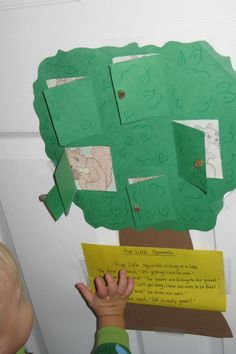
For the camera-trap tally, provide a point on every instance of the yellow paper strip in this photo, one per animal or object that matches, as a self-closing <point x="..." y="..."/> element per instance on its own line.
<point x="164" y="276"/>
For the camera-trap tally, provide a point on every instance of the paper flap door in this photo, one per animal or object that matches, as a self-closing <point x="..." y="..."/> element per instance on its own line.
<point x="73" y="110"/>
<point x="139" y="88"/>
<point x="190" y="153"/>
<point x="151" y="201"/>
<point x="65" y="182"/>
<point x="53" y="203"/>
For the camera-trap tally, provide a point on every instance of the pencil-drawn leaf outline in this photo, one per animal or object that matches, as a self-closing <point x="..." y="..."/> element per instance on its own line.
<point x="181" y="59"/>
<point x="195" y="57"/>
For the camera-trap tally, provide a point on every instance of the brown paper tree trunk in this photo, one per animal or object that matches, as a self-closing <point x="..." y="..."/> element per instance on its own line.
<point x="167" y="319"/>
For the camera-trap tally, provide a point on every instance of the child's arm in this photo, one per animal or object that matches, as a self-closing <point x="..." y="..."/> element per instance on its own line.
<point x="108" y="304"/>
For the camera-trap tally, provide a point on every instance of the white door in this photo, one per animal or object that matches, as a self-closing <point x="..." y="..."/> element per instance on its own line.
<point x="49" y="253"/>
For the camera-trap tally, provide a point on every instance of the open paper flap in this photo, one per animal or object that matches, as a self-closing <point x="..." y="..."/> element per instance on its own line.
<point x="139" y="88"/>
<point x="53" y="203"/>
<point x="190" y="152"/>
<point x="151" y="201"/>
<point x="210" y="128"/>
<point x="73" y="110"/>
<point x="65" y="182"/>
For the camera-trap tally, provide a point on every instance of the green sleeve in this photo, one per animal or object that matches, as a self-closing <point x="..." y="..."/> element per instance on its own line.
<point x="21" y="351"/>
<point x="112" y="340"/>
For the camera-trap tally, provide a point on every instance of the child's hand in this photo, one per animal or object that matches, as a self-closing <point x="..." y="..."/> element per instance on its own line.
<point x="109" y="301"/>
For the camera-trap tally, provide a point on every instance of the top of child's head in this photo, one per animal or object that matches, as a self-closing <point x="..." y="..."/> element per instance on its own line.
<point x="16" y="314"/>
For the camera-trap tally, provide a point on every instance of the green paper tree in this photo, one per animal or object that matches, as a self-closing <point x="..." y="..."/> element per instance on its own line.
<point x="167" y="116"/>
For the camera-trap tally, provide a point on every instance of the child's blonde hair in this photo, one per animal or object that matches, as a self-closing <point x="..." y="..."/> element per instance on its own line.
<point x="8" y="268"/>
<point x="9" y="279"/>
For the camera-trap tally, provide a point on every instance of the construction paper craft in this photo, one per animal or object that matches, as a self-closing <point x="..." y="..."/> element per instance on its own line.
<point x="73" y="110"/>
<point x="139" y="88"/>
<point x="196" y="84"/>
<point x="65" y="183"/>
<point x="143" y="194"/>
<point x="92" y="168"/>
<point x="190" y="152"/>
<point x="167" y="319"/>
<point x="53" y="203"/>
<point x="163" y="276"/>
<point x="210" y="128"/>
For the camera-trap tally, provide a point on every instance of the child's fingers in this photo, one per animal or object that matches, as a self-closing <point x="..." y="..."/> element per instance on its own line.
<point x="130" y="287"/>
<point x="85" y="292"/>
<point x="101" y="288"/>
<point x="111" y="285"/>
<point x="122" y="284"/>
